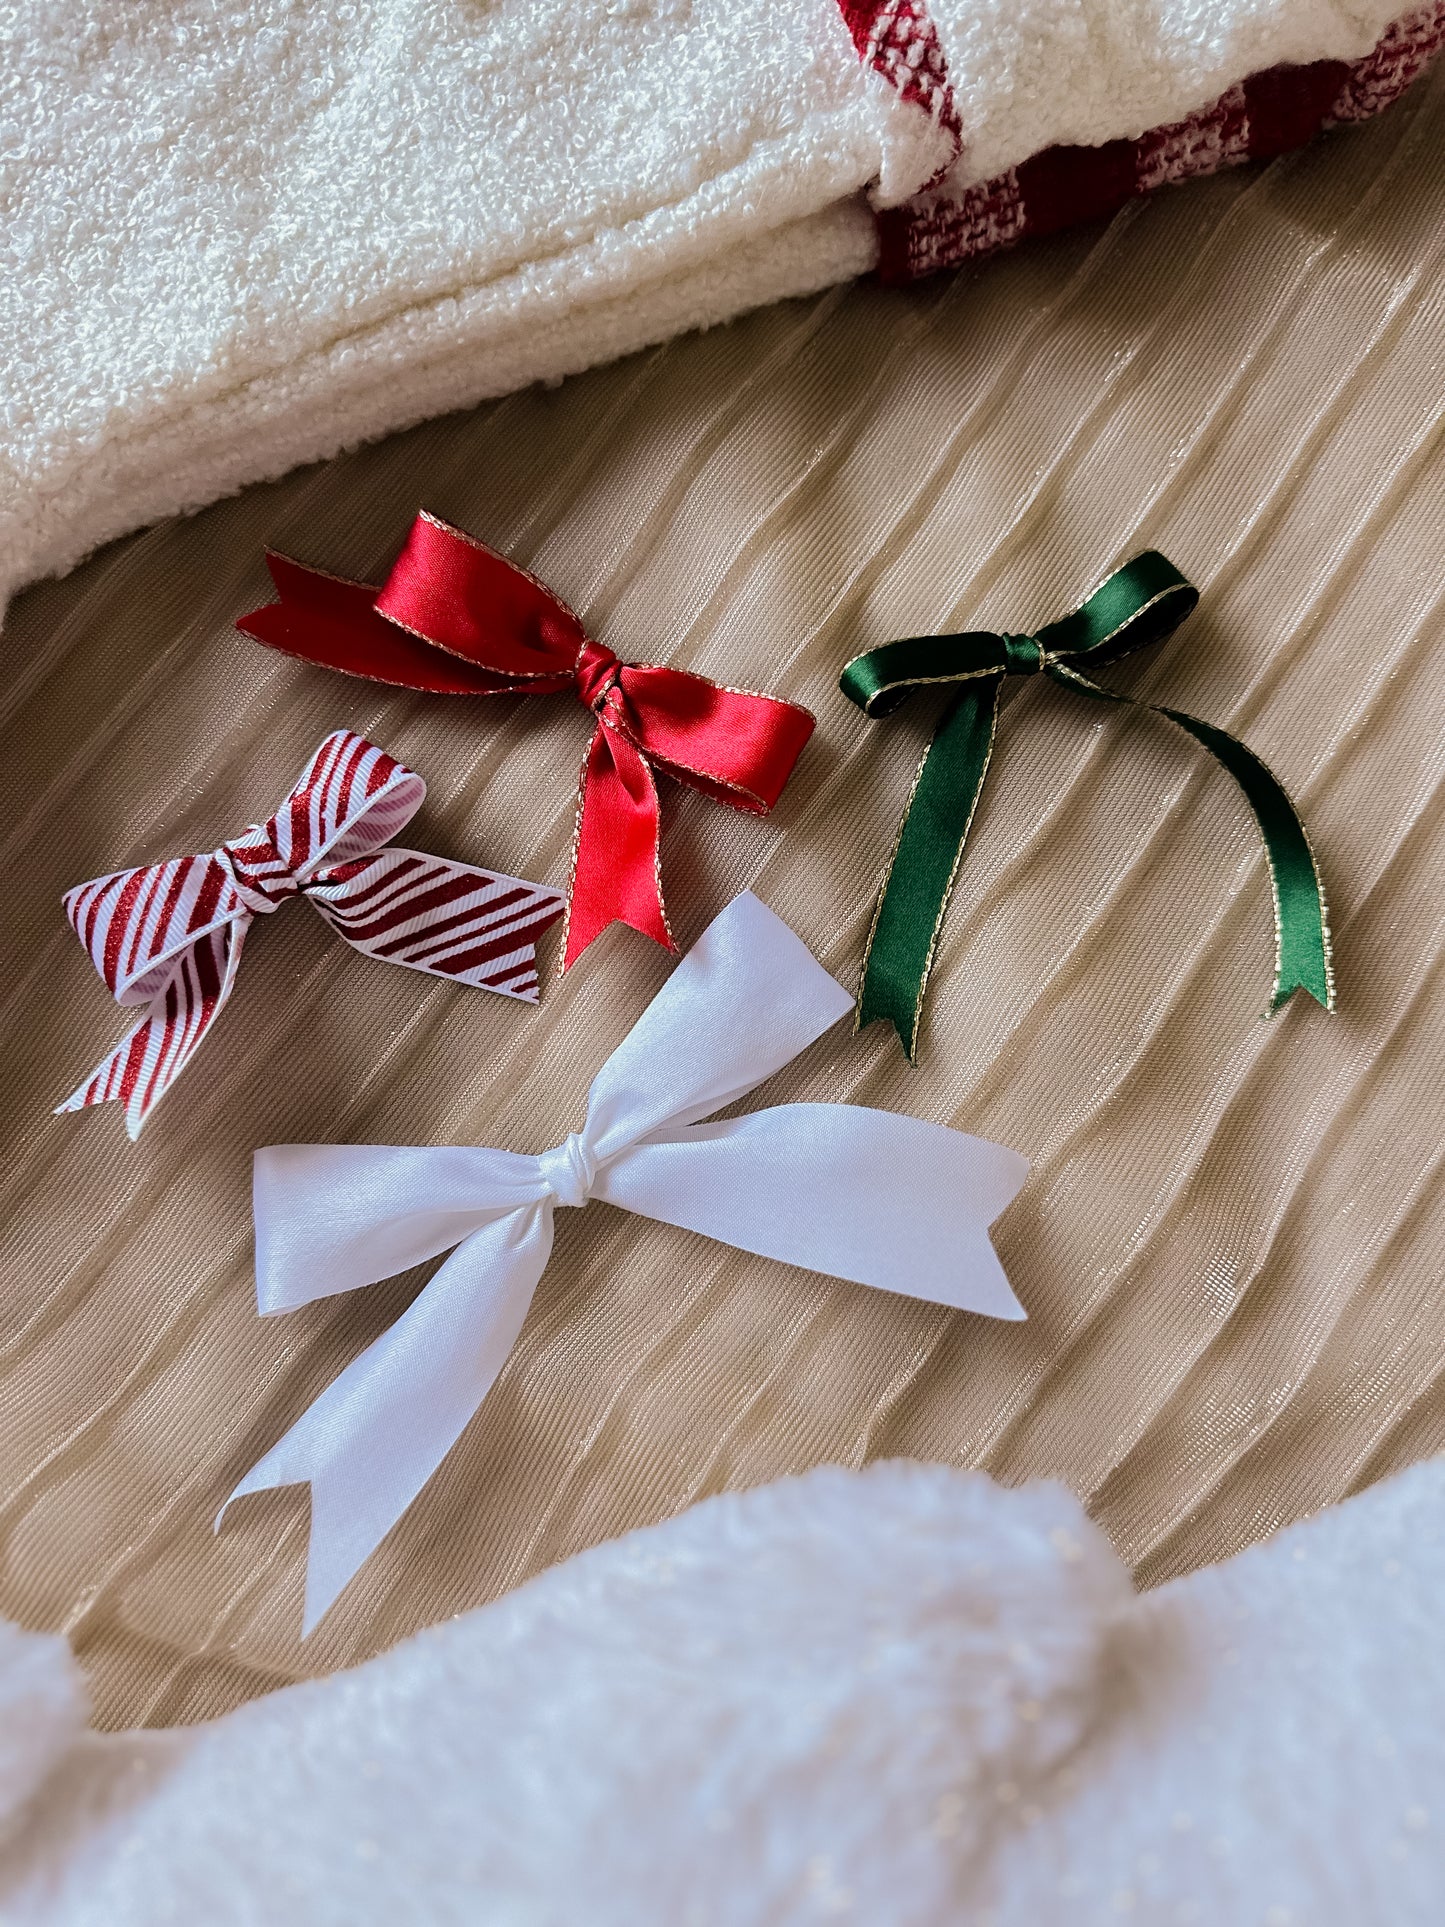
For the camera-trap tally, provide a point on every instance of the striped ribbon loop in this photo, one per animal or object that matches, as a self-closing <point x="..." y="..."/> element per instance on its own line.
<point x="169" y="935"/>
<point x="1138" y="605"/>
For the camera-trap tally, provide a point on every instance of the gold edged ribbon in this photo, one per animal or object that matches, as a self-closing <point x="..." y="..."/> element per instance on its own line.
<point x="1137" y="606"/>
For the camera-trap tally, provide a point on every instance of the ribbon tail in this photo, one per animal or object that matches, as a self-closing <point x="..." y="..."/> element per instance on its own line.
<point x="447" y="919"/>
<point x="883" y="1199"/>
<point x="375" y="1436"/>
<point x="326" y="620"/>
<point x="615" y="874"/>
<point x="1301" y="921"/>
<point x="152" y="1055"/>
<point x="918" y="882"/>
<point x="116" y="1074"/>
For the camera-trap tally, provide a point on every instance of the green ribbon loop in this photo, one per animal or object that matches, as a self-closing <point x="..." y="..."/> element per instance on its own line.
<point x="1137" y="606"/>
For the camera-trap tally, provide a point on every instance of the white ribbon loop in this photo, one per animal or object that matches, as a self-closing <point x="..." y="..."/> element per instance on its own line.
<point x="887" y="1201"/>
<point x="881" y="1199"/>
<point x="334" y="1217"/>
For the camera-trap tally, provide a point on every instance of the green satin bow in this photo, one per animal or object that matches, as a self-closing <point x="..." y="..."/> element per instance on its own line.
<point x="1140" y="604"/>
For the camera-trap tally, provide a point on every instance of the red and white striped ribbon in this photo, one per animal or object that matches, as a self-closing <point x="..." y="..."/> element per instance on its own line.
<point x="169" y="935"/>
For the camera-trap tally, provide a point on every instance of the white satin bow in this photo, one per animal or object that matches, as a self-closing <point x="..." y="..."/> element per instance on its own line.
<point x="872" y="1196"/>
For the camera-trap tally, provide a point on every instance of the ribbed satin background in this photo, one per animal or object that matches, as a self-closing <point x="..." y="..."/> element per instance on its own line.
<point x="1231" y="1244"/>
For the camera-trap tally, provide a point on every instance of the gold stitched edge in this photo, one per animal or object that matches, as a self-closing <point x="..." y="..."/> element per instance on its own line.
<point x="678" y="771"/>
<point x="1176" y="588"/>
<point x="579" y="795"/>
<point x="346" y="581"/>
<point x="603" y="723"/>
<point x="928" y="682"/>
<point x="505" y="677"/>
<point x="1276" y="1002"/>
<point x="910" y="1047"/>
<point x="953" y="873"/>
<point x="1325" y="932"/>
<point x="485" y="548"/>
<point x="1183" y="587"/>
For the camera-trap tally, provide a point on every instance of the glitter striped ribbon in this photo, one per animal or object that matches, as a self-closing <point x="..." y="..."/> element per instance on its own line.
<point x="169" y="935"/>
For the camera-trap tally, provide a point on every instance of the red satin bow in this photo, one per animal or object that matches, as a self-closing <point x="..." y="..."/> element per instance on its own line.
<point x="455" y="618"/>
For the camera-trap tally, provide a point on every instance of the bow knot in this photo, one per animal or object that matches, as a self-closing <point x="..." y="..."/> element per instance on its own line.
<point x="1138" y="605"/>
<point x="569" y="1171"/>
<point x="257" y="871"/>
<point x="1023" y="655"/>
<point x="599" y="673"/>
<point x="169" y="935"/>
<point x="455" y="618"/>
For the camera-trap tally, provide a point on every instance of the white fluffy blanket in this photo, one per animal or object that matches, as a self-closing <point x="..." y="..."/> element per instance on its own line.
<point x="897" y="1696"/>
<point x="236" y="235"/>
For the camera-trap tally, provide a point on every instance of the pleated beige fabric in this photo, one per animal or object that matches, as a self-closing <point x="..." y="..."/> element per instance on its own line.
<point x="1233" y="1241"/>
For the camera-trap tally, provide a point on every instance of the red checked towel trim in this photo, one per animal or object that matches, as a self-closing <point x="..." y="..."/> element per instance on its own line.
<point x="899" y="41"/>
<point x="1266" y="115"/>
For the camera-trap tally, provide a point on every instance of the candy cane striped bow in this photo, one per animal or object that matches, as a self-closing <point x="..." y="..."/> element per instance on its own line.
<point x="169" y="935"/>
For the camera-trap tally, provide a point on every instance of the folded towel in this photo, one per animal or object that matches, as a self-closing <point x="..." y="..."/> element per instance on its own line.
<point x="240" y="234"/>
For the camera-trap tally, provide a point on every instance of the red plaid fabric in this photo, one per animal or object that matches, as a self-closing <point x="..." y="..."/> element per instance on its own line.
<point x="1266" y="115"/>
<point x="898" y="40"/>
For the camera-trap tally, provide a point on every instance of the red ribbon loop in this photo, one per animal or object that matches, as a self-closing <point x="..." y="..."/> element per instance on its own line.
<point x="455" y="618"/>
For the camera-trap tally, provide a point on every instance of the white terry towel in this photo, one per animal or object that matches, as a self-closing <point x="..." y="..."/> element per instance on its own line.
<point x="904" y="1696"/>
<point x="236" y="235"/>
